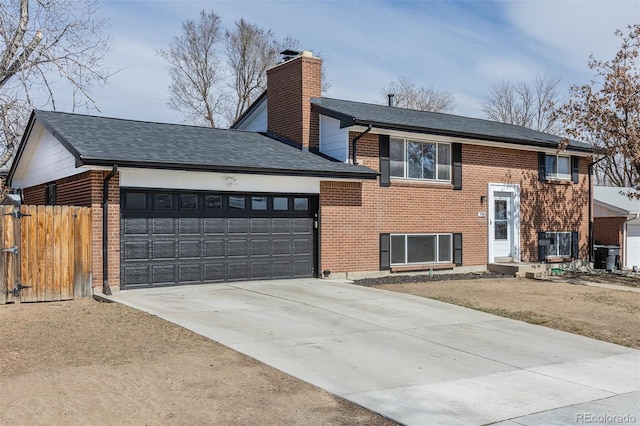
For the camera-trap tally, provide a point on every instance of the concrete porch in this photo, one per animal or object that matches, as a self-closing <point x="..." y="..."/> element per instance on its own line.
<point x="520" y="269"/>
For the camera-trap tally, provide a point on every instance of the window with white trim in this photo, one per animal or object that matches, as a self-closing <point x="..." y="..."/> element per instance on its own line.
<point x="557" y="167"/>
<point x="560" y="244"/>
<point x="409" y="249"/>
<point x="420" y="160"/>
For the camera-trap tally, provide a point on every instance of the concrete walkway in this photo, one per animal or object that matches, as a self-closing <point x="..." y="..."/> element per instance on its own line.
<point x="414" y="360"/>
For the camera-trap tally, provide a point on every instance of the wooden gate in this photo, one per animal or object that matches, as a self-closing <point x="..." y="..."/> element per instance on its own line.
<point x="46" y="253"/>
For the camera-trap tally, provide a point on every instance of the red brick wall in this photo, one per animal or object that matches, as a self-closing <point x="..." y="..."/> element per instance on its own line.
<point x="353" y="220"/>
<point x="608" y="230"/>
<point x="290" y="86"/>
<point x="85" y="190"/>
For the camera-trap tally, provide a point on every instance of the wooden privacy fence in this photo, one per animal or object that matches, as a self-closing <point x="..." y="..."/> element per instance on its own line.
<point x="46" y="253"/>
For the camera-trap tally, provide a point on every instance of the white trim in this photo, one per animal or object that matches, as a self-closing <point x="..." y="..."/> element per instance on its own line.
<point x="514" y="190"/>
<point x="210" y="181"/>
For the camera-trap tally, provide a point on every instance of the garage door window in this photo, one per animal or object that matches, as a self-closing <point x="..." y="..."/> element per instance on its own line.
<point x="280" y="203"/>
<point x="162" y="201"/>
<point x="258" y="203"/>
<point x="236" y="203"/>
<point x="188" y="201"/>
<point x="136" y="201"/>
<point x="301" y="204"/>
<point x="213" y="202"/>
<point x="165" y="204"/>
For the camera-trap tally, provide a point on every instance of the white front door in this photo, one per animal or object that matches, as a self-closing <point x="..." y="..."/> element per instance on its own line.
<point x="503" y="220"/>
<point x="502" y="225"/>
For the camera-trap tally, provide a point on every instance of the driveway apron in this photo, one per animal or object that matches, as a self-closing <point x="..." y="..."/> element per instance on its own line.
<point x="413" y="360"/>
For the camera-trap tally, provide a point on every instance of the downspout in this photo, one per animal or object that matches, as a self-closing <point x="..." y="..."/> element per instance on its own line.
<point x="105" y="229"/>
<point x="354" y="145"/>
<point x="591" y="206"/>
<point x="624" y="238"/>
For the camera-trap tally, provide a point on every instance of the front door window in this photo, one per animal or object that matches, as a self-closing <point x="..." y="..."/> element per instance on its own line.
<point x="501" y="220"/>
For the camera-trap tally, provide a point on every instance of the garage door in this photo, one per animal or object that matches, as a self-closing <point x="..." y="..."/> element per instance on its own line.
<point x="171" y="238"/>
<point x="633" y="246"/>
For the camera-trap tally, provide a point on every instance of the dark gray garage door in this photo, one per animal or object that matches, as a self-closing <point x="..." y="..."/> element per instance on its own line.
<point x="171" y="238"/>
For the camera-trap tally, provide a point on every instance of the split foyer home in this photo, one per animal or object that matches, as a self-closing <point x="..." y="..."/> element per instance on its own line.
<point x="308" y="186"/>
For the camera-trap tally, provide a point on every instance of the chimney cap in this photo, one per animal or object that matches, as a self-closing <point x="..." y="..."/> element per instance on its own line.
<point x="289" y="54"/>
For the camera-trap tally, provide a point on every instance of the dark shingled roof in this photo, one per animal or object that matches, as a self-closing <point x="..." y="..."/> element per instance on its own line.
<point x="381" y="116"/>
<point x="106" y="141"/>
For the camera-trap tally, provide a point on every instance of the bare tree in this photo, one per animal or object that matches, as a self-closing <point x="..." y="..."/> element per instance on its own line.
<point x="407" y="95"/>
<point x="44" y="44"/>
<point x="205" y="61"/>
<point x="528" y="104"/>
<point x="607" y="111"/>
<point x="250" y="51"/>
<point x="196" y="88"/>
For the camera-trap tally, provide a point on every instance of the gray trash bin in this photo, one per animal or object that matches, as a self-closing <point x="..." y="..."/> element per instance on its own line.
<point x="613" y="256"/>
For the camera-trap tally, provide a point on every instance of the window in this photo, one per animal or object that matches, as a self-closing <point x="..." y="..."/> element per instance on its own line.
<point x="162" y="201"/>
<point x="188" y="201"/>
<point x="51" y="194"/>
<point x="213" y="202"/>
<point x="420" y="160"/>
<point x="236" y="203"/>
<point x="557" y="167"/>
<point x="258" y="203"/>
<point x="280" y="203"/>
<point x="420" y="248"/>
<point x="560" y="244"/>
<point x="301" y="204"/>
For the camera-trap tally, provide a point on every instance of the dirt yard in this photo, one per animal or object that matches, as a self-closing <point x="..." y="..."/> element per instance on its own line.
<point x="562" y="303"/>
<point x="88" y="363"/>
<point x="84" y="362"/>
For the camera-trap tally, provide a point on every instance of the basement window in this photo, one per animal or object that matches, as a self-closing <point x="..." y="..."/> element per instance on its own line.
<point x="407" y="249"/>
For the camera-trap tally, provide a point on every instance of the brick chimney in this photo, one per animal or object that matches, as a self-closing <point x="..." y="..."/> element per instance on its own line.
<point x="290" y="86"/>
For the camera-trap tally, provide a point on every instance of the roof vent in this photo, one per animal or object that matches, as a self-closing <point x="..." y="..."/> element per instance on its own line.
<point x="390" y="96"/>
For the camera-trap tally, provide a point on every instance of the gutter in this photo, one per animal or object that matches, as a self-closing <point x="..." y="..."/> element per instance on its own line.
<point x="354" y="144"/>
<point x="105" y="231"/>
<point x="591" y="206"/>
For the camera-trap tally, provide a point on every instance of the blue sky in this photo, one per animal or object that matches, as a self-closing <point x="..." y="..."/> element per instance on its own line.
<point x="463" y="47"/>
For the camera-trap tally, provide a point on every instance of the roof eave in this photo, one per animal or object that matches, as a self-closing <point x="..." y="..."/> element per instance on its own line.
<point x="358" y="175"/>
<point x="440" y="132"/>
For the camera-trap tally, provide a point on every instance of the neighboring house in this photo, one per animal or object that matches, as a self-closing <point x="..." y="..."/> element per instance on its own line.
<point x="327" y="187"/>
<point x="616" y="221"/>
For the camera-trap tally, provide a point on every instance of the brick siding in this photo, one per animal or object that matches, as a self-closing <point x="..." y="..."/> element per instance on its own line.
<point x="290" y="86"/>
<point x="608" y="230"/>
<point x="353" y="217"/>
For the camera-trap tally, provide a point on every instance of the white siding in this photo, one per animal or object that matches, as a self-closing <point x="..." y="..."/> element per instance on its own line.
<point x="334" y="141"/>
<point x="257" y="121"/>
<point x="603" y="211"/>
<point x="171" y="179"/>
<point x="43" y="160"/>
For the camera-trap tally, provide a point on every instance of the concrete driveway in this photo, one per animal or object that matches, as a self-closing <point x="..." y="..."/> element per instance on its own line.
<point x="414" y="360"/>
